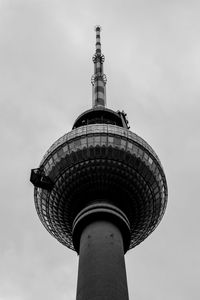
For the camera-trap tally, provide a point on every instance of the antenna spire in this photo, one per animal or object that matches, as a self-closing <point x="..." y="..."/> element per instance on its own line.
<point x="99" y="78"/>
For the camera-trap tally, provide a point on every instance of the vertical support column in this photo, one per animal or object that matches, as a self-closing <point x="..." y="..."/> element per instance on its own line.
<point x="102" y="273"/>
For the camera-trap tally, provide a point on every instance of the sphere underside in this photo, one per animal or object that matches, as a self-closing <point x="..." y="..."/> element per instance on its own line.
<point x="102" y="162"/>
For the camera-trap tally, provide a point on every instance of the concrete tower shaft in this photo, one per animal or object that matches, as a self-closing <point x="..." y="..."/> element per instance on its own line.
<point x="102" y="273"/>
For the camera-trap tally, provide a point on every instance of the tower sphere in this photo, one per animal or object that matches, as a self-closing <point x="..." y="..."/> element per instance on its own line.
<point x="101" y="161"/>
<point x="103" y="166"/>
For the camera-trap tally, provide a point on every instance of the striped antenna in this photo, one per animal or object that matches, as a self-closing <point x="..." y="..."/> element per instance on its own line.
<point x="99" y="78"/>
<point x="98" y="39"/>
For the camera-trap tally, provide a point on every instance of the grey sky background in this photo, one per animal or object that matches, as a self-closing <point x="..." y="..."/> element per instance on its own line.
<point x="152" y="51"/>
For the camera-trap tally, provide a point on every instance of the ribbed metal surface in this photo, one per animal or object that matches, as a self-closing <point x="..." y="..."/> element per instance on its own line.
<point x="102" y="161"/>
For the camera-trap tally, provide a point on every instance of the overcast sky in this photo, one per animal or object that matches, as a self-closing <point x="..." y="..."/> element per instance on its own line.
<point x="152" y="51"/>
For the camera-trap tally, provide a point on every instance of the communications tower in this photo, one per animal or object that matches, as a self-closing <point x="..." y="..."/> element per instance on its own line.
<point x="100" y="190"/>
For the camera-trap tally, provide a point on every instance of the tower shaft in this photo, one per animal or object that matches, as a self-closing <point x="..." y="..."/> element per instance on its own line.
<point x="102" y="273"/>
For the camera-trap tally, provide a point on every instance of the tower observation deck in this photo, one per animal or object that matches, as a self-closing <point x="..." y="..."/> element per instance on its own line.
<point x="100" y="190"/>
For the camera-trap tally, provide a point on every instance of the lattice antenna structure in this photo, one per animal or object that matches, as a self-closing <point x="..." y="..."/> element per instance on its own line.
<point x="98" y="80"/>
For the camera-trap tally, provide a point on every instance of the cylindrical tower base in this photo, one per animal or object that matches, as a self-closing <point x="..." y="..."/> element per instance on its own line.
<point x="102" y="273"/>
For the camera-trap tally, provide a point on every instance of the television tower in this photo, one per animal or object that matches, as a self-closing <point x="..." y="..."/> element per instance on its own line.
<point x="100" y="190"/>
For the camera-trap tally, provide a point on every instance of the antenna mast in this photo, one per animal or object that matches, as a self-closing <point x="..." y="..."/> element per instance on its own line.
<point x="99" y="78"/>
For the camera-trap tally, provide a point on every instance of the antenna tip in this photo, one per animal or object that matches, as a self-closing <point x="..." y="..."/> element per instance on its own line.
<point x="97" y="28"/>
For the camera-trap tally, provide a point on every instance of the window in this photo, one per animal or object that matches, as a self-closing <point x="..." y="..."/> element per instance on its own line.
<point x="77" y="143"/>
<point x="117" y="141"/>
<point x="97" y="140"/>
<point x="110" y="139"/>
<point x="90" y="140"/>
<point x="150" y="160"/>
<point x="130" y="145"/>
<point x="65" y="149"/>
<point x="104" y="140"/>
<point x="83" y="141"/>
